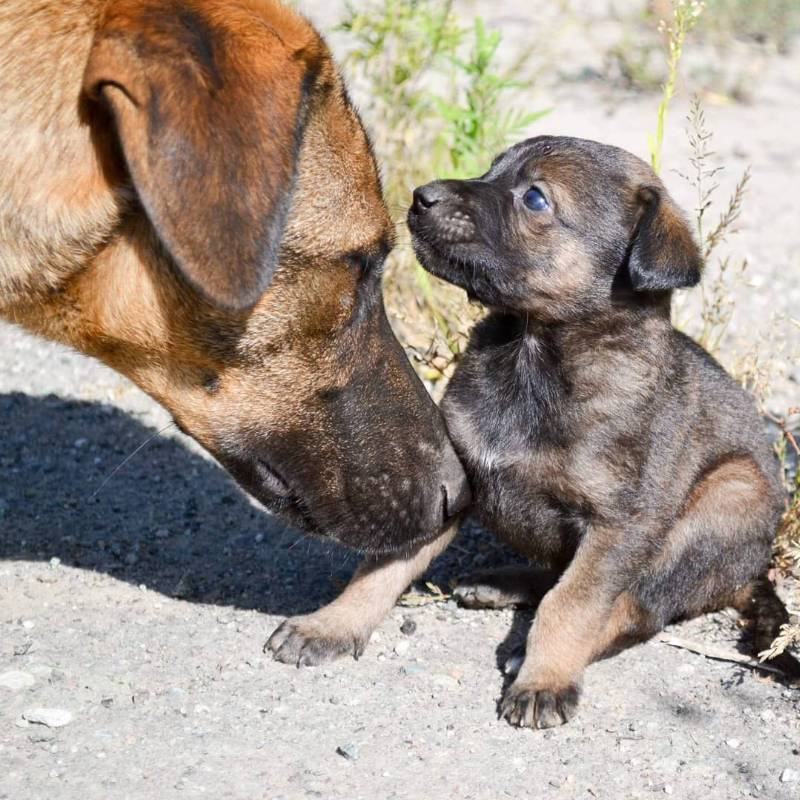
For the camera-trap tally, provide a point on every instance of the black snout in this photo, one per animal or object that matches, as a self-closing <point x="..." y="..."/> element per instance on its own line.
<point x="429" y="195"/>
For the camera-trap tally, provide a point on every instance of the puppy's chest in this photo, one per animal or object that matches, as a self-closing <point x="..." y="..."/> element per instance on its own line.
<point x="509" y="419"/>
<point x="545" y="452"/>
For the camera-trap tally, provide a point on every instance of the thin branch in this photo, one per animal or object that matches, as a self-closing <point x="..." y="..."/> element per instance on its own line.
<point x="717" y="653"/>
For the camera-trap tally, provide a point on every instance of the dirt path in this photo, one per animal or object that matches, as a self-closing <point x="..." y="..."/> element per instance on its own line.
<point x="142" y="611"/>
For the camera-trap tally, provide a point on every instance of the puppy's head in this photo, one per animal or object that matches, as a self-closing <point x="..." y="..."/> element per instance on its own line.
<point x="557" y="228"/>
<point x="242" y="288"/>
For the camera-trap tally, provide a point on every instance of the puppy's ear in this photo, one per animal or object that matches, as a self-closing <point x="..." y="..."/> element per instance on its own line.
<point x="663" y="252"/>
<point x="209" y="111"/>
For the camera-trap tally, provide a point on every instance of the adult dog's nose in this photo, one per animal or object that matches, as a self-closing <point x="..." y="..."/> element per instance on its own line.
<point x="427" y="196"/>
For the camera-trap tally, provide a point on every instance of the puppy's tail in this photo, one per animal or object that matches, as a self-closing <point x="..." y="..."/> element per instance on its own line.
<point x="765" y="613"/>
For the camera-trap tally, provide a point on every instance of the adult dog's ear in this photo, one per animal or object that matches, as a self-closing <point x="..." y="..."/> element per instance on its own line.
<point x="663" y="253"/>
<point x="209" y="101"/>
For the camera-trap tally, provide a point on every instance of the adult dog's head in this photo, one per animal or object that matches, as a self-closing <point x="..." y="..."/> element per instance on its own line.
<point x="558" y="228"/>
<point x="239" y="281"/>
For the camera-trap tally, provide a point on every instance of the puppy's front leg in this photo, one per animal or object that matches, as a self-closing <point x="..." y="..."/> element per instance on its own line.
<point x="563" y="639"/>
<point x="345" y="625"/>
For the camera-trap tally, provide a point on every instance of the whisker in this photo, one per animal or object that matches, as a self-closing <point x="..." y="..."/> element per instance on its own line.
<point x="296" y="542"/>
<point x="127" y="459"/>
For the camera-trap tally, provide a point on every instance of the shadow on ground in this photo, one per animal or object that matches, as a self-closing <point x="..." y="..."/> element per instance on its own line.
<point x="169" y="519"/>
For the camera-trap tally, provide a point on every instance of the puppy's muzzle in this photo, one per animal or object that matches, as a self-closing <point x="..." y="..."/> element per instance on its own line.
<point x="437" y="210"/>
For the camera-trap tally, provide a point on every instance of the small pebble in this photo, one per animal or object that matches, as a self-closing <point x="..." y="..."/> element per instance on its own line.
<point x="408" y="627"/>
<point x="733" y="743"/>
<point x="767" y="715"/>
<point x="348" y="751"/>
<point x="445" y="681"/>
<point x="401" y="648"/>
<point x="51" y="717"/>
<point x="42" y="671"/>
<point x="54" y="562"/>
<point x="790" y="776"/>
<point x="28" y="624"/>
<point x="41" y="735"/>
<point x="16" y="680"/>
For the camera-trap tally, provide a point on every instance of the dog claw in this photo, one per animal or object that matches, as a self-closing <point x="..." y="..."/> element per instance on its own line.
<point x="306" y="642"/>
<point x="539" y="708"/>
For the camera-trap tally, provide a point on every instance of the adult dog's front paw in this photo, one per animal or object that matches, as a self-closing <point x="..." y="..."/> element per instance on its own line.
<point x="539" y="707"/>
<point x="309" y="640"/>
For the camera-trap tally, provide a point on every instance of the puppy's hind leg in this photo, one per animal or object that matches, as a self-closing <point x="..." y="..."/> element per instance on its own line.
<point x="716" y="556"/>
<point x="344" y="626"/>
<point x="508" y="587"/>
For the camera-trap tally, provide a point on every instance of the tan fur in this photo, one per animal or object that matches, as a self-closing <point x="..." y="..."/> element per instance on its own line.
<point x="346" y="624"/>
<point x="79" y="265"/>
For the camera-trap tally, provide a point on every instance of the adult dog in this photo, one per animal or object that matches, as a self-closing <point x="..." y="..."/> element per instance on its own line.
<point x="599" y="440"/>
<point x="187" y="194"/>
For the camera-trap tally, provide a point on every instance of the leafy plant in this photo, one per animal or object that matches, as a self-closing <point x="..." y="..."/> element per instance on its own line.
<point x="477" y="123"/>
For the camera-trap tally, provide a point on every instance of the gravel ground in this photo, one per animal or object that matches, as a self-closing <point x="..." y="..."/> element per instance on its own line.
<point x="140" y="607"/>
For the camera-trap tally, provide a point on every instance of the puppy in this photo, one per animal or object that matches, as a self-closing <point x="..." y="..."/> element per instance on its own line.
<point x="599" y="440"/>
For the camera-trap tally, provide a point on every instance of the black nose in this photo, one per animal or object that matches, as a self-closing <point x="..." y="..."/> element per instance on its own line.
<point x="457" y="494"/>
<point x="427" y="196"/>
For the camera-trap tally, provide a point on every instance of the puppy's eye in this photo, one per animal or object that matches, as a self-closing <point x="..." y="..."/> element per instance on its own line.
<point x="535" y="200"/>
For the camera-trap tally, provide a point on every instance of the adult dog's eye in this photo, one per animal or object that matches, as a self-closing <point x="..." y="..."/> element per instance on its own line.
<point x="535" y="200"/>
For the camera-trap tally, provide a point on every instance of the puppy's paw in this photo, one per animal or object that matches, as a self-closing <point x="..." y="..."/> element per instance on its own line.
<point x="307" y="641"/>
<point x="539" y="707"/>
<point x="480" y="595"/>
<point x="509" y="587"/>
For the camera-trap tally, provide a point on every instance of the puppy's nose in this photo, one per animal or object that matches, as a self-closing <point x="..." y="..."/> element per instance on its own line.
<point x="427" y="196"/>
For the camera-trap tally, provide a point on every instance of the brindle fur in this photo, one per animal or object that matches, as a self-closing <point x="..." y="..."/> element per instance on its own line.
<point x="599" y="440"/>
<point x="187" y="194"/>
